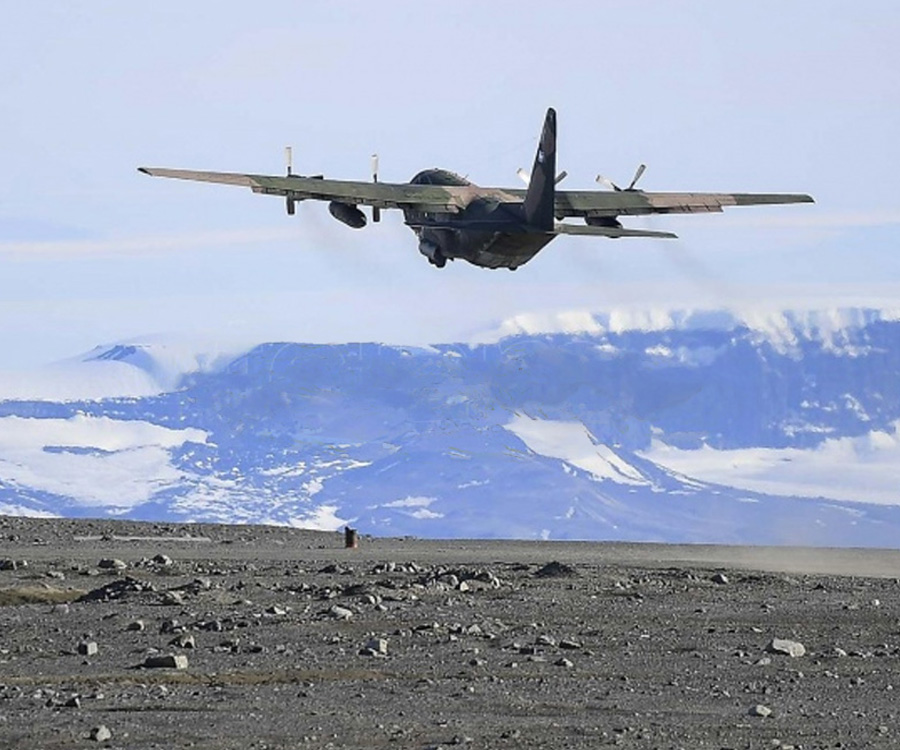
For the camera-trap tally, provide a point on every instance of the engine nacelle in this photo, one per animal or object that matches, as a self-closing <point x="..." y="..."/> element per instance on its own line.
<point x="349" y="215"/>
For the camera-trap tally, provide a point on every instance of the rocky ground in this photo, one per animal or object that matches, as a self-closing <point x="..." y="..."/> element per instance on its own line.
<point x="131" y="635"/>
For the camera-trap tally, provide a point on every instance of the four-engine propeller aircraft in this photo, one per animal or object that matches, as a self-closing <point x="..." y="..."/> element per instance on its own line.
<point x="488" y="227"/>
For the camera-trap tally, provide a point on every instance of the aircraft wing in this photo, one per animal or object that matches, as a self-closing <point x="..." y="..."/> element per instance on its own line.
<point x="636" y="202"/>
<point x="453" y="199"/>
<point x="433" y="198"/>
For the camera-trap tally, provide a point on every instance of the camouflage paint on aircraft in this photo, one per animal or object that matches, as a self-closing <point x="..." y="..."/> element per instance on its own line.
<point x="489" y="227"/>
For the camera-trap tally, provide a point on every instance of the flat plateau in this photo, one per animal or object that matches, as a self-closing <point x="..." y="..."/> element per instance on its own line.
<point x="291" y="640"/>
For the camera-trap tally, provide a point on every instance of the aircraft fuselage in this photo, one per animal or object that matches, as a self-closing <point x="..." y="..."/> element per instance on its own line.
<point x="488" y="232"/>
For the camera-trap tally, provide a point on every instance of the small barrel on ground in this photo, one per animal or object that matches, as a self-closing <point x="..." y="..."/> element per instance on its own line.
<point x="351" y="538"/>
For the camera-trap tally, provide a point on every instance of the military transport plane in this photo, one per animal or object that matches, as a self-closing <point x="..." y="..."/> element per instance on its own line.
<point x="489" y="227"/>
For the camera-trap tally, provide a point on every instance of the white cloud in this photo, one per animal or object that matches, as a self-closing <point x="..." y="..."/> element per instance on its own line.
<point x="150" y="244"/>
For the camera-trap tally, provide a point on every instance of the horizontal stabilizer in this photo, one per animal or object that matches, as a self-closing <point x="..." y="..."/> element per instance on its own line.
<point x="614" y="232"/>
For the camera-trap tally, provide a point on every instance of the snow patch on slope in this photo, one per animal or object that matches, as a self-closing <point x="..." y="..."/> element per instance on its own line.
<point x="413" y="507"/>
<point x="6" y="509"/>
<point x="95" y="461"/>
<point x="574" y="444"/>
<point x="863" y="469"/>
<point x="322" y="518"/>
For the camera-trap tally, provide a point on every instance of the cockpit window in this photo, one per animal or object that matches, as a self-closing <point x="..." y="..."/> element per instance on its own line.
<point x="439" y="177"/>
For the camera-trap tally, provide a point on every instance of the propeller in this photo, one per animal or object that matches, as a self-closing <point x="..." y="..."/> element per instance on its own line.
<point x="376" y="211"/>
<point x="631" y="185"/>
<point x="525" y="176"/>
<point x="290" y="203"/>
<point x="637" y="175"/>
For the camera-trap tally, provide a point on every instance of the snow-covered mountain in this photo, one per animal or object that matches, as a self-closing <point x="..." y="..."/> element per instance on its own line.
<point x="699" y="426"/>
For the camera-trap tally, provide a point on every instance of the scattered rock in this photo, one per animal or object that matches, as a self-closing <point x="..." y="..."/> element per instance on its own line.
<point x="162" y="560"/>
<point x="171" y="598"/>
<point x="112" y="563"/>
<point x="556" y="570"/>
<point x="336" y="570"/>
<point x="340" y="613"/>
<point x="783" y="646"/>
<point x="720" y="578"/>
<point x="760" y="710"/>
<point x="116" y="590"/>
<point x="232" y="644"/>
<point x="87" y="648"/>
<point x="185" y="640"/>
<point x="375" y="647"/>
<point x="166" y="661"/>
<point x="136" y="626"/>
<point x="195" y="587"/>
<point x="100" y="733"/>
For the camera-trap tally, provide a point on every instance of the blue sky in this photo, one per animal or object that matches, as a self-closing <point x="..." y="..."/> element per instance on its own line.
<point x="768" y="96"/>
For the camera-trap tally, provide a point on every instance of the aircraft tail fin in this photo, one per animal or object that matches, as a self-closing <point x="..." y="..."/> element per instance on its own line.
<point x="540" y="195"/>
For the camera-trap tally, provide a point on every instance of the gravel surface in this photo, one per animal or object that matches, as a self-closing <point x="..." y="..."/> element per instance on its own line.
<point x="122" y="634"/>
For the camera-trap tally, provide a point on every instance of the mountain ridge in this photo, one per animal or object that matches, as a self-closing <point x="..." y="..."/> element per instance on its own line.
<point x="700" y="434"/>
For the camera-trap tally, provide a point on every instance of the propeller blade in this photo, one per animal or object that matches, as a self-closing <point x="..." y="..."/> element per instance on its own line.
<point x="525" y="176"/>
<point x="608" y="182"/>
<point x="637" y="175"/>
<point x="376" y="211"/>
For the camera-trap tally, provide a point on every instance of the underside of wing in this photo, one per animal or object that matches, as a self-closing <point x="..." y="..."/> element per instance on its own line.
<point x="597" y="203"/>
<point x="613" y="232"/>
<point x="433" y="198"/>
